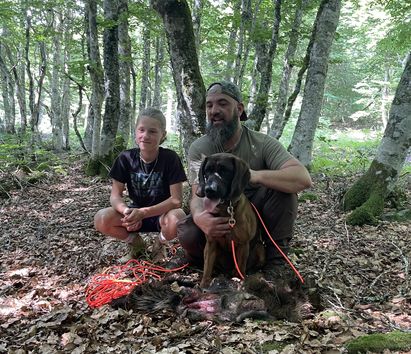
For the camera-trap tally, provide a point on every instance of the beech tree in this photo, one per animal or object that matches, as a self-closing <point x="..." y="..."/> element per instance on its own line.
<point x="95" y="68"/>
<point x="186" y="72"/>
<point x="278" y="123"/>
<point x="111" y="81"/>
<point x="125" y="63"/>
<point x="265" y="67"/>
<point x="366" y="197"/>
<point x="326" y="25"/>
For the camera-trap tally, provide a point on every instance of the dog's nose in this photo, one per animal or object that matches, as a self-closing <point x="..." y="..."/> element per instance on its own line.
<point x="211" y="190"/>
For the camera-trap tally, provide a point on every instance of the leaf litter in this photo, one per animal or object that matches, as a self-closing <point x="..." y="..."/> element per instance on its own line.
<point x="50" y="251"/>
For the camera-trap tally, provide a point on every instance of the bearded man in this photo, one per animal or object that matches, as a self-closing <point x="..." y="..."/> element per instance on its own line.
<point x="276" y="177"/>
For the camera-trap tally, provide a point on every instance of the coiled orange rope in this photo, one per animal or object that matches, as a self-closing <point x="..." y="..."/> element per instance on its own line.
<point x="118" y="281"/>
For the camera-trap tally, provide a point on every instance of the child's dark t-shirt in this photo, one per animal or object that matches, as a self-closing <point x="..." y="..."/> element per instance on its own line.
<point x="148" y="184"/>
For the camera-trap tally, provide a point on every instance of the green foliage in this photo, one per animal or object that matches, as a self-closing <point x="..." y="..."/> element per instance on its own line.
<point x="21" y="162"/>
<point x="173" y="142"/>
<point x="378" y="342"/>
<point x="16" y="151"/>
<point x="343" y="153"/>
<point x="308" y="196"/>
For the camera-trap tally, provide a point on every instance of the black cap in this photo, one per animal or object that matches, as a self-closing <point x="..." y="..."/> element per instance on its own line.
<point x="232" y="90"/>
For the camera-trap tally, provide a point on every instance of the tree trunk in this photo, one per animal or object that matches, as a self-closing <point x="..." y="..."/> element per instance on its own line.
<point x="247" y="48"/>
<point x="133" y="99"/>
<point x="229" y="72"/>
<point x="93" y="129"/>
<point x="145" y="71"/>
<point x="186" y="72"/>
<point x="254" y="85"/>
<point x="326" y="25"/>
<point x="158" y="67"/>
<point x="385" y="91"/>
<point x="7" y="87"/>
<point x="277" y="126"/>
<point x="197" y="14"/>
<point x="244" y="23"/>
<point x="125" y="60"/>
<point x="265" y="67"/>
<point x="28" y="68"/>
<point x="66" y="97"/>
<point x="35" y="119"/>
<point x="56" y="94"/>
<point x="20" y="71"/>
<point x="19" y="80"/>
<point x="367" y="195"/>
<point x="112" y="92"/>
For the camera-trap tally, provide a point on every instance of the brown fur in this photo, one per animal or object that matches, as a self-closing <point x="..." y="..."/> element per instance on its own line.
<point x="225" y="176"/>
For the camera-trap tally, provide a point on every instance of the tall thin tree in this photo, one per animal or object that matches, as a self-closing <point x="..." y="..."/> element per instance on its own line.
<point x="111" y="81"/>
<point x="326" y="25"/>
<point x="186" y="72"/>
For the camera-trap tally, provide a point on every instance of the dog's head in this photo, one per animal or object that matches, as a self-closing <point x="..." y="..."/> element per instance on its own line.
<point x="222" y="177"/>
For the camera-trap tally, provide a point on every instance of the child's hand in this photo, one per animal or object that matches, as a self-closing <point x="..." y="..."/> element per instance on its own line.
<point x="132" y="219"/>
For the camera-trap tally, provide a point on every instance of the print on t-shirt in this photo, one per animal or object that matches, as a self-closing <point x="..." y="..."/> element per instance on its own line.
<point x="147" y="185"/>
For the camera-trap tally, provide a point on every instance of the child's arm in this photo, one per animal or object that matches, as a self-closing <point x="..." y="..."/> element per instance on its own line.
<point x="116" y="197"/>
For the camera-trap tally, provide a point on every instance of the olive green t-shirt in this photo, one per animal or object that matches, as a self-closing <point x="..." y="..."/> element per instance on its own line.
<point x="260" y="151"/>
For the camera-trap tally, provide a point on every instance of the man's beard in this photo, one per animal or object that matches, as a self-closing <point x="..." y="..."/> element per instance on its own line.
<point x="222" y="133"/>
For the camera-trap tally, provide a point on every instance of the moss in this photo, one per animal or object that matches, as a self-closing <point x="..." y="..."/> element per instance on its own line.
<point x="119" y="145"/>
<point x="308" y="196"/>
<point x="368" y="194"/>
<point x="357" y="194"/>
<point x="273" y="345"/>
<point x="44" y="166"/>
<point x="378" y="342"/>
<point x="92" y="168"/>
<point x="367" y="213"/>
<point x="375" y="180"/>
<point x="36" y="176"/>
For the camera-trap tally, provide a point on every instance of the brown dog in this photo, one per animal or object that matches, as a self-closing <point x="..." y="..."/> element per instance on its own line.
<point x="222" y="179"/>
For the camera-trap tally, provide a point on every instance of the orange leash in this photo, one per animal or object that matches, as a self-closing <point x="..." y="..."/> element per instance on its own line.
<point x="235" y="260"/>
<point x="115" y="281"/>
<point x="278" y="247"/>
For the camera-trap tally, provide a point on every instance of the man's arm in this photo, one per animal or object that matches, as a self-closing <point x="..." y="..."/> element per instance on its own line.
<point x="292" y="177"/>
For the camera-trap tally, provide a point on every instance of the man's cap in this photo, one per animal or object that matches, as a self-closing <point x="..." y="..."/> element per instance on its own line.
<point x="232" y="90"/>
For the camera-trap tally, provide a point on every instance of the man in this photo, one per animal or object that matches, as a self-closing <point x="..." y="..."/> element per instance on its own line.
<point x="276" y="176"/>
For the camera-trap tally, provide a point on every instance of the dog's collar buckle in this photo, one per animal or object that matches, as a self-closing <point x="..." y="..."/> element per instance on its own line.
<point x="230" y="211"/>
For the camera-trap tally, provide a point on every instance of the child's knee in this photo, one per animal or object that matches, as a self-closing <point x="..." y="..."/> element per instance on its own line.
<point x="98" y="220"/>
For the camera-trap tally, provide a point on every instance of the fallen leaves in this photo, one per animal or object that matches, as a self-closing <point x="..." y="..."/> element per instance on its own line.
<point x="50" y="252"/>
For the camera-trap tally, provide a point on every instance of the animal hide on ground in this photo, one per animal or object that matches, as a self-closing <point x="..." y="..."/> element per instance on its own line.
<point x="225" y="300"/>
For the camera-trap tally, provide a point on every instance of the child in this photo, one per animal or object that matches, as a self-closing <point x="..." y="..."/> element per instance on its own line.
<point x="154" y="177"/>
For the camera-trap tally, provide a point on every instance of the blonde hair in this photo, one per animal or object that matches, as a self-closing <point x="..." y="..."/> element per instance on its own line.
<point x="156" y="114"/>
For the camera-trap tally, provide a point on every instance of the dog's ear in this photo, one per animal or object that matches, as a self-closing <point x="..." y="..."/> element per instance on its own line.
<point x="241" y="177"/>
<point x="201" y="180"/>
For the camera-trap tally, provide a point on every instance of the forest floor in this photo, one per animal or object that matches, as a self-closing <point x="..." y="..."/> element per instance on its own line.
<point x="50" y="251"/>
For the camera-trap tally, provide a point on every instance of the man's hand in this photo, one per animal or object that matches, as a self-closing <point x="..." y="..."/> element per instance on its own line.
<point x="212" y="226"/>
<point x="132" y="219"/>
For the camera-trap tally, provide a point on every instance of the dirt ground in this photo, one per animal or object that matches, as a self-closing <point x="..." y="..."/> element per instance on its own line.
<point x="49" y="252"/>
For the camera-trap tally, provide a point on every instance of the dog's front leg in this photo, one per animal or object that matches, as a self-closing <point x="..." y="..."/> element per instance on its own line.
<point x="210" y="253"/>
<point x="241" y="253"/>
